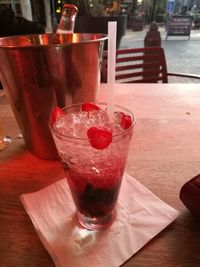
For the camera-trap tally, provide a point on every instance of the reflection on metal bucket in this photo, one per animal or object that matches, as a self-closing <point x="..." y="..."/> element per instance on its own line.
<point x="39" y="72"/>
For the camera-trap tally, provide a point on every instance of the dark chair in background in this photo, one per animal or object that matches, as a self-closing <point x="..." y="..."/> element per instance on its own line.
<point x="142" y="65"/>
<point x="10" y="24"/>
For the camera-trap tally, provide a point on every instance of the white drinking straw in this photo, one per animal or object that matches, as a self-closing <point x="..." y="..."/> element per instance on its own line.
<point x="112" y="29"/>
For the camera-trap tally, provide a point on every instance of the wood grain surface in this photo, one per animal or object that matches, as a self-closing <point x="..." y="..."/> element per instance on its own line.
<point x="164" y="154"/>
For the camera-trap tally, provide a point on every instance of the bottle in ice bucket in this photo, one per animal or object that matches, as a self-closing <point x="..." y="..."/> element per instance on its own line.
<point x="68" y="18"/>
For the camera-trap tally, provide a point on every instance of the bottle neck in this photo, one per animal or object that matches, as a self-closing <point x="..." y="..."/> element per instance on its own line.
<point x="68" y="18"/>
<point x="66" y="25"/>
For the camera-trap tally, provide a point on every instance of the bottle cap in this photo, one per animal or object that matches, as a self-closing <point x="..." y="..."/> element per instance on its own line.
<point x="70" y="9"/>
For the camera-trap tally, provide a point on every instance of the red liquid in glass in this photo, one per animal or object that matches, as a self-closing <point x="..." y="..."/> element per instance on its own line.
<point x="95" y="195"/>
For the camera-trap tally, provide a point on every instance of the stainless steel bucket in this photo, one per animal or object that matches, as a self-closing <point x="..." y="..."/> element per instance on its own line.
<point x="39" y="72"/>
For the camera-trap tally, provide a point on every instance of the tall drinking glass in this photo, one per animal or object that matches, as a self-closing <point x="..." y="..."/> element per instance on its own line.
<point x="93" y="151"/>
<point x="4" y="139"/>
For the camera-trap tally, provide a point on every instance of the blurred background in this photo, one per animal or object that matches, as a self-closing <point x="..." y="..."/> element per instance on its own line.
<point x="48" y="12"/>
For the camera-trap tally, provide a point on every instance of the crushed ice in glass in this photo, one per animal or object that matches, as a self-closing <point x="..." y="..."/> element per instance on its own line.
<point x="77" y="124"/>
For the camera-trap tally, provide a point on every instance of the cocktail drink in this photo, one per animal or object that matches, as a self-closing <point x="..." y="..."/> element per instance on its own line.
<point x="93" y="149"/>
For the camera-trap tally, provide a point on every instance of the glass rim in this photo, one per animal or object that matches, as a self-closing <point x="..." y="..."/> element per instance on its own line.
<point x="85" y="138"/>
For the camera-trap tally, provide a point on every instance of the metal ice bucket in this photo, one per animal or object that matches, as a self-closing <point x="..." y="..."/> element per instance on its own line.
<point x="39" y="72"/>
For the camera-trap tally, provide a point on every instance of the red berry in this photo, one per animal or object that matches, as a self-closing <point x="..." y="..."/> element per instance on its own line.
<point x="55" y="114"/>
<point x="89" y="107"/>
<point x="126" y="121"/>
<point x="99" y="137"/>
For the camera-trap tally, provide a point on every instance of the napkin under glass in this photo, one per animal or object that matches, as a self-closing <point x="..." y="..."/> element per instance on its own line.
<point x="140" y="216"/>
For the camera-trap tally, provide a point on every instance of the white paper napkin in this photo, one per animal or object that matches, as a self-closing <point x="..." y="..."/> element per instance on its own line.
<point x="140" y="216"/>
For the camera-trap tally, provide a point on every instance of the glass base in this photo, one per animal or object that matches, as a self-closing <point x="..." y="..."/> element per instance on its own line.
<point x="96" y="223"/>
<point x="5" y="142"/>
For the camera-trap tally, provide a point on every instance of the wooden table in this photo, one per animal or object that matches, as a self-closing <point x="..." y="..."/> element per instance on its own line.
<point x="164" y="154"/>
